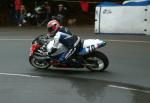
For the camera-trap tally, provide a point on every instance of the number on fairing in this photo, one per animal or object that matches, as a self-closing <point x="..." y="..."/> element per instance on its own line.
<point x="91" y="48"/>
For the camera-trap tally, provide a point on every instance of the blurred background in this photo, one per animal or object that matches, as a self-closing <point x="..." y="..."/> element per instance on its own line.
<point x="39" y="12"/>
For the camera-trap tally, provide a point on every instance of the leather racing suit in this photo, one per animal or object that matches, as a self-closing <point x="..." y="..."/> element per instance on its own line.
<point x="70" y="41"/>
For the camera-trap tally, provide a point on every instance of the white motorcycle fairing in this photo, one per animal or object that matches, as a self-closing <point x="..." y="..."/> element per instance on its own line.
<point x="88" y="46"/>
<point x="91" y="44"/>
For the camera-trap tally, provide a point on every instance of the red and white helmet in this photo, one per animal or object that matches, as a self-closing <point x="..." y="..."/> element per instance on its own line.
<point x="53" y="26"/>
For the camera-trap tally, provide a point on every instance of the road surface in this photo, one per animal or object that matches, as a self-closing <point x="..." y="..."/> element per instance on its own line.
<point x="126" y="79"/>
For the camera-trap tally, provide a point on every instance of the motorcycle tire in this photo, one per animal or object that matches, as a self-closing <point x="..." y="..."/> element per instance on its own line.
<point x="39" y="64"/>
<point x="96" y="61"/>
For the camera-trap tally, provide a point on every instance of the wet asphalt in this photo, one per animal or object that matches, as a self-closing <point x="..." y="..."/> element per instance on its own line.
<point x="126" y="79"/>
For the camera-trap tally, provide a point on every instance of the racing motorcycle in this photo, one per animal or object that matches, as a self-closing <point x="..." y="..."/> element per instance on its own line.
<point x="87" y="57"/>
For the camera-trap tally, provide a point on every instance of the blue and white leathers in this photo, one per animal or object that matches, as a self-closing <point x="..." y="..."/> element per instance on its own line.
<point x="88" y="46"/>
<point x="71" y="42"/>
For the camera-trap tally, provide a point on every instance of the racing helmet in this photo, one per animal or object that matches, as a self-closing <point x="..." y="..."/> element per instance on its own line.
<point x="53" y="26"/>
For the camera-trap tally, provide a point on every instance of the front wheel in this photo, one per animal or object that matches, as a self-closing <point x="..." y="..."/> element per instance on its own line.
<point x="38" y="63"/>
<point x="96" y="61"/>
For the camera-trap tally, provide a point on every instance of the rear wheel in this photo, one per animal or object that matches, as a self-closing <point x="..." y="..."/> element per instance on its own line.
<point x="39" y="63"/>
<point x="96" y="61"/>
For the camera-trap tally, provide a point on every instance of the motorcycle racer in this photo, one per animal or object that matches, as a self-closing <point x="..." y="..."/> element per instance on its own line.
<point x="61" y="34"/>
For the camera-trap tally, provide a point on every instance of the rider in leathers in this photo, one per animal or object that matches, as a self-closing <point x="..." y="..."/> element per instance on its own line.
<point x="62" y="35"/>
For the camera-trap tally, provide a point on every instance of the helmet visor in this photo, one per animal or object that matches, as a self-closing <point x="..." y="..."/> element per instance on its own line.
<point x="50" y="29"/>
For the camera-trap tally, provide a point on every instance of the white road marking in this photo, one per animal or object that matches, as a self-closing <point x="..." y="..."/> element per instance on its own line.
<point x="131" y="41"/>
<point x="20" y="75"/>
<point x="121" y="87"/>
<point x="127" y="88"/>
<point x="16" y="39"/>
<point x="127" y="41"/>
